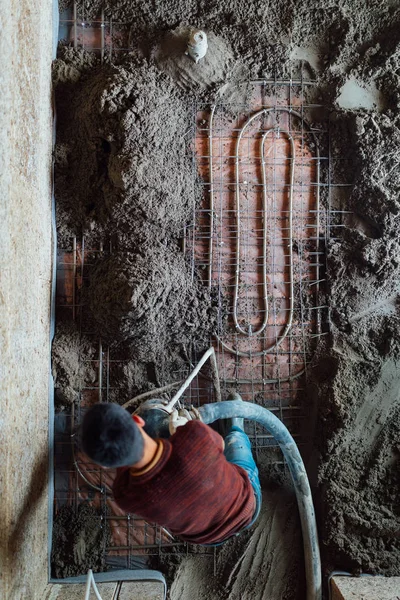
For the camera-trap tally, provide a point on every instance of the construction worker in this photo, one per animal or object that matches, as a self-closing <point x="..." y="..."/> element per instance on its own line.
<point x="199" y="488"/>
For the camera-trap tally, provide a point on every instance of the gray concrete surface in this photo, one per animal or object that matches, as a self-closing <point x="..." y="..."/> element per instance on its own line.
<point x="365" y="588"/>
<point x="143" y="590"/>
<point x="127" y="590"/>
<point x="25" y="272"/>
<point x="77" y="591"/>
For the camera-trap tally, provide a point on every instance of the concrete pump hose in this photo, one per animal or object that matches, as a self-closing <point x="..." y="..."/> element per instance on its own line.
<point x="247" y="410"/>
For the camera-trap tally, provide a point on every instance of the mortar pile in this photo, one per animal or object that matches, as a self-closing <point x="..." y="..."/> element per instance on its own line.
<point x="124" y="181"/>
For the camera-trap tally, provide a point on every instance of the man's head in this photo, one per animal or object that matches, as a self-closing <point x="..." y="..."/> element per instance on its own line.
<point x="111" y="437"/>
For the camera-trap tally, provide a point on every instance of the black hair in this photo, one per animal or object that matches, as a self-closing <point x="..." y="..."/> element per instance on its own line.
<point x="110" y="437"/>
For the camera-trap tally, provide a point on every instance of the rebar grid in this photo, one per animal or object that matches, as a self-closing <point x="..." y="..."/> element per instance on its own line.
<point x="259" y="237"/>
<point x="77" y="480"/>
<point x="102" y="35"/>
<point x="132" y="538"/>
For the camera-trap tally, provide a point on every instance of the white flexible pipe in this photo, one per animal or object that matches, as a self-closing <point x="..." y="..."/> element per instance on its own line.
<point x="90" y="582"/>
<point x="210" y="354"/>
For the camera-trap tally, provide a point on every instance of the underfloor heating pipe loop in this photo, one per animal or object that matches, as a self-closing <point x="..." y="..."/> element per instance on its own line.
<point x="247" y="410"/>
<point x="264" y="111"/>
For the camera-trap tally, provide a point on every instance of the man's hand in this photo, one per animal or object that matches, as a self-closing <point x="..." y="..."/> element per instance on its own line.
<point x="178" y="418"/>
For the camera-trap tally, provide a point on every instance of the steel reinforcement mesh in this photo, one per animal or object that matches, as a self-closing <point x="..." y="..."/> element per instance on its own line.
<point x="270" y="204"/>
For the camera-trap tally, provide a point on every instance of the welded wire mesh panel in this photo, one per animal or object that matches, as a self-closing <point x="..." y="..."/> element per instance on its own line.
<point x="76" y="480"/>
<point x="269" y="204"/>
<point x="259" y="238"/>
<point x="101" y="35"/>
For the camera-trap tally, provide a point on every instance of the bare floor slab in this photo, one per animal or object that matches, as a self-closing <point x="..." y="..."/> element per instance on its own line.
<point x="365" y="588"/>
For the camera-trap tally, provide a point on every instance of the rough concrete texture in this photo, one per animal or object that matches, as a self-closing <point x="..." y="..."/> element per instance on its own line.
<point x="26" y="253"/>
<point x="56" y="591"/>
<point x="124" y="176"/>
<point x="127" y="590"/>
<point x="149" y="301"/>
<point x="145" y="590"/>
<point x="123" y="166"/>
<point x="266" y="562"/>
<point x="72" y="357"/>
<point x="79" y="539"/>
<point x="261" y="33"/>
<point x="365" y="588"/>
<point x="358" y="372"/>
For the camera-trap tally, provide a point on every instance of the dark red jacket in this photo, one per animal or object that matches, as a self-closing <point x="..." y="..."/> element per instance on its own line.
<point x="190" y="488"/>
